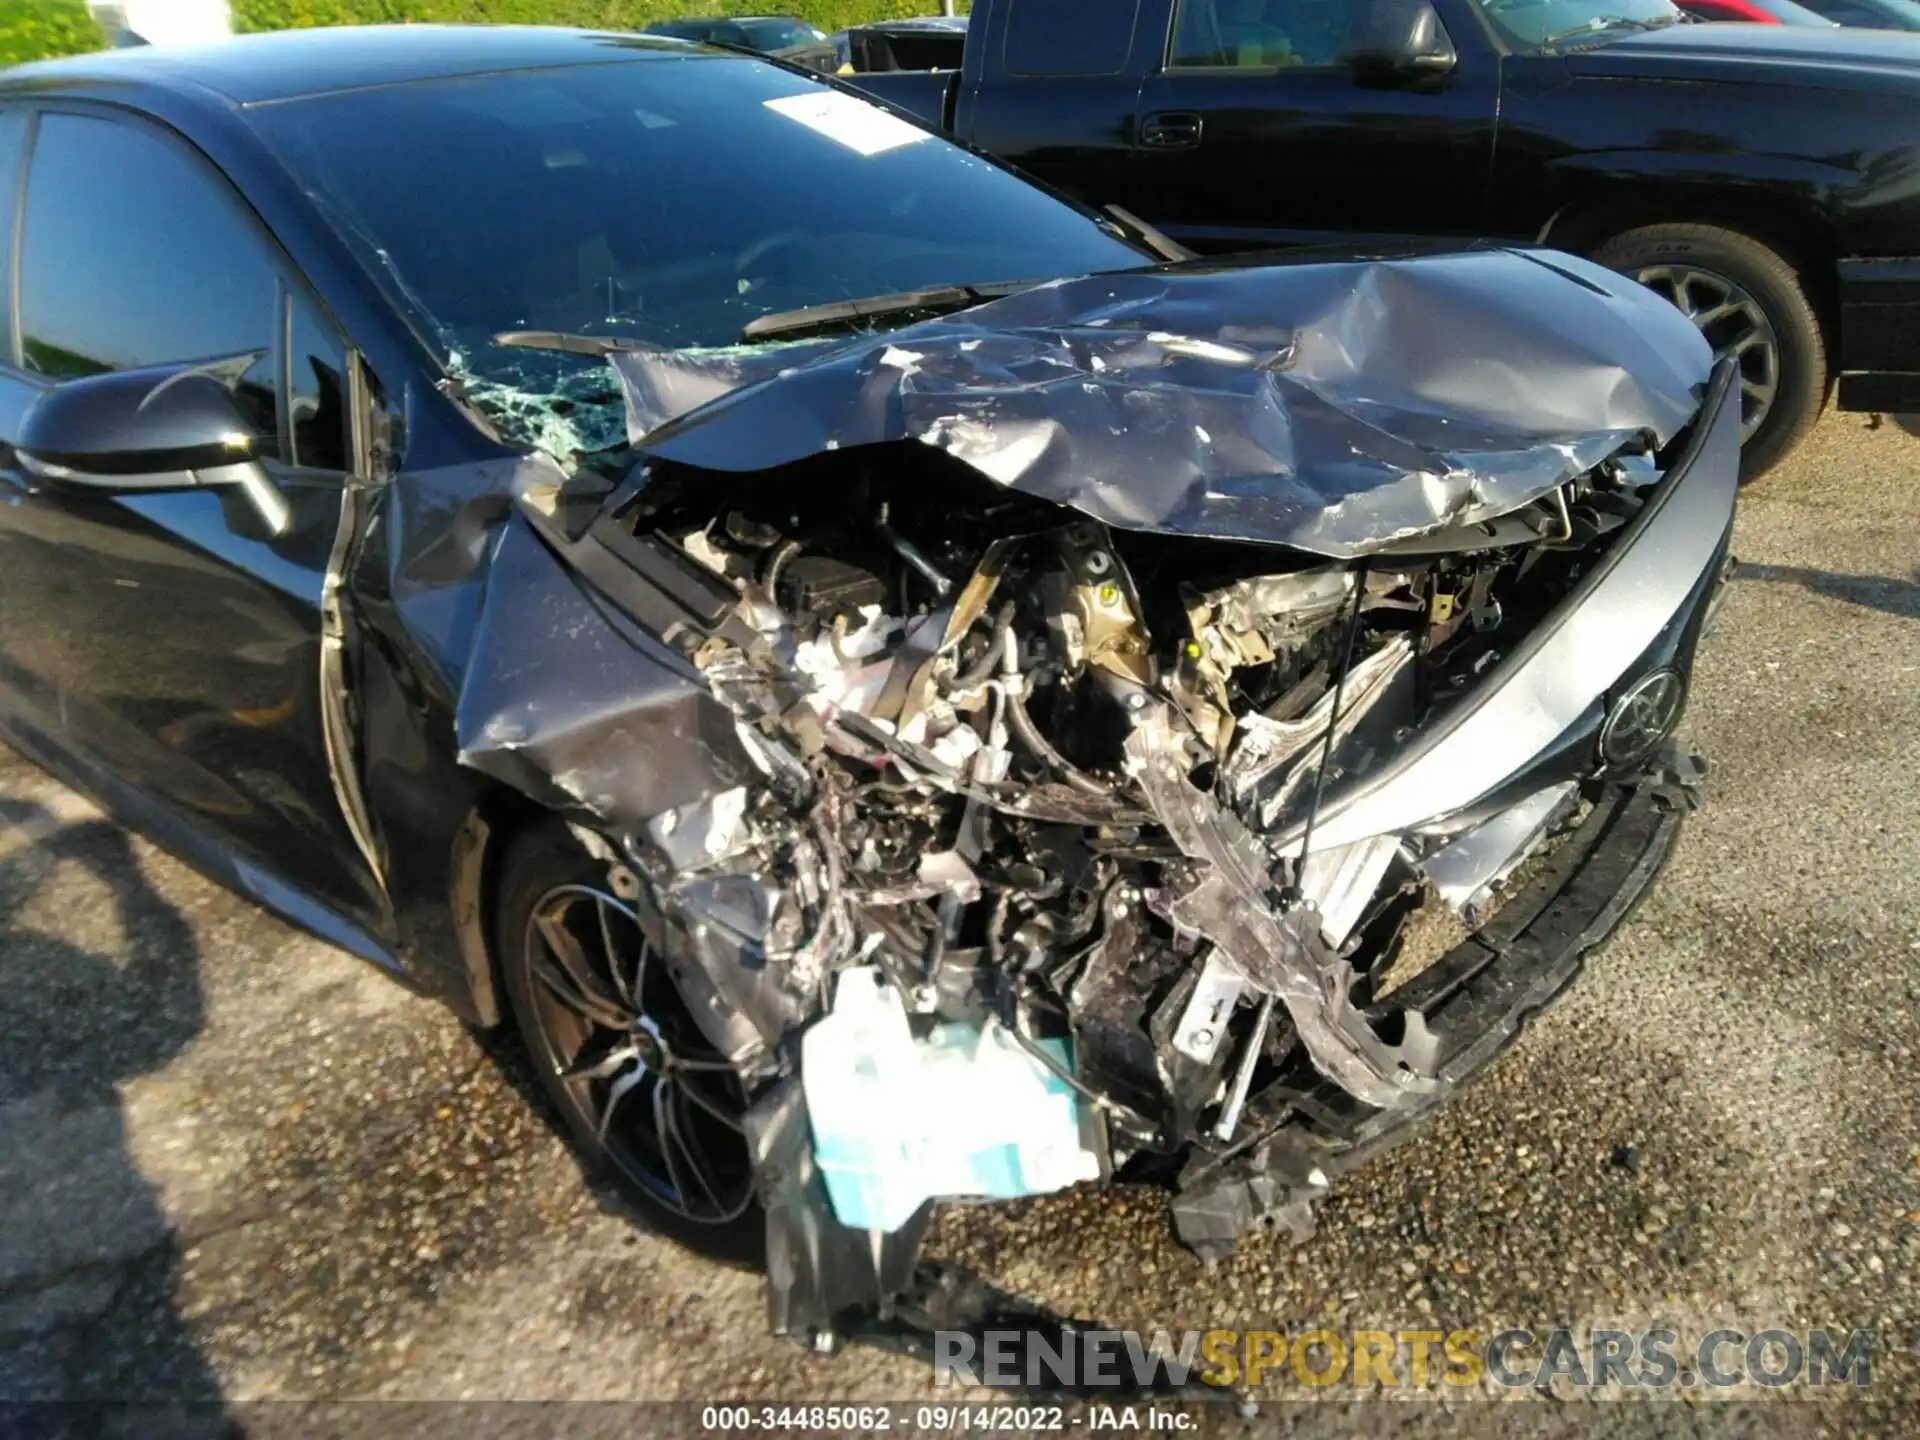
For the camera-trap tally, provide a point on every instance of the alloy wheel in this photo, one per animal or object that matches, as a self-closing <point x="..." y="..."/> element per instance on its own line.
<point x="1733" y="323"/>
<point x="665" y="1106"/>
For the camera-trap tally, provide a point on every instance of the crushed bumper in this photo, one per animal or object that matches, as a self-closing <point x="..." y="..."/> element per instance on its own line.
<point x="1475" y="1001"/>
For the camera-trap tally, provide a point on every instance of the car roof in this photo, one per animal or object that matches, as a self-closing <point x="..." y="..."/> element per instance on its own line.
<point x="287" y="64"/>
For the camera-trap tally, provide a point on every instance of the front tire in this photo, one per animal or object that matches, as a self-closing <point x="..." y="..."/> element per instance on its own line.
<point x="644" y="1095"/>
<point x="1749" y="303"/>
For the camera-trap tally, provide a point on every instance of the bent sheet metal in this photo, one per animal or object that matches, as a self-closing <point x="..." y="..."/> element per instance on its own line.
<point x="1336" y="408"/>
<point x="1009" y="662"/>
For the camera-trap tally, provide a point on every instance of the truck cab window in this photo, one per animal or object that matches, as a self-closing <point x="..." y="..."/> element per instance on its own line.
<point x="1260" y="34"/>
<point x="1057" y="37"/>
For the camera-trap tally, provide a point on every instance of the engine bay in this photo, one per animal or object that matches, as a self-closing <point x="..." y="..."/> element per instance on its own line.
<point x="1057" y="779"/>
<point x="1170" y="726"/>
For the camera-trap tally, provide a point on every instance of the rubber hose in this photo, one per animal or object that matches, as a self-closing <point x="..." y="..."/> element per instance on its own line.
<point x="1031" y="737"/>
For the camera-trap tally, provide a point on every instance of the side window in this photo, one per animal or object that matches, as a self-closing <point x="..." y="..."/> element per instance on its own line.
<point x="133" y="255"/>
<point x="1062" y="37"/>
<point x="13" y="137"/>
<point x="1260" y="34"/>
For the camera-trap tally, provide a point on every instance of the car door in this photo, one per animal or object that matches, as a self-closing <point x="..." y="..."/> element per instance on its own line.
<point x="1253" y="130"/>
<point x="24" y="667"/>
<point x="1053" y="91"/>
<point x="173" y="637"/>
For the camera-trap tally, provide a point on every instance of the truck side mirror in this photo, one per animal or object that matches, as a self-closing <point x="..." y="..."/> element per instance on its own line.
<point x="1398" y="40"/>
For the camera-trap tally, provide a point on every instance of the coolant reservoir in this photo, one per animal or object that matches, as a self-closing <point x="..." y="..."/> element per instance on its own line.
<point x="899" y="1121"/>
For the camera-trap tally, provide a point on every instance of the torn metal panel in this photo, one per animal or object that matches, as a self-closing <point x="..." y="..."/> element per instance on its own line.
<point x="1281" y="954"/>
<point x="1263" y="772"/>
<point x="564" y="706"/>
<point x="1203" y="1021"/>
<point x="704" y="831"/>
<point x="1028" y="776"/>
<point x="1339" y="408"/>
<point x="1582" y="650"/>
<point x="731" y="941"/>
<point x="1474" y="1000"/>
<point x="1341" y="883"/>
<point x="1467" y="868"/>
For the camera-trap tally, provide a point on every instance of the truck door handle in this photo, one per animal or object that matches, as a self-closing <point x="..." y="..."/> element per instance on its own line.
<point x="1171" y="130"/>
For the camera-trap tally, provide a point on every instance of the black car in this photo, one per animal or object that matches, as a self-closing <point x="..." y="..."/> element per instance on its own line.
<point x="785" y="37"/>
<point x="892" y="687"/>
<point x="1755" y="175"/>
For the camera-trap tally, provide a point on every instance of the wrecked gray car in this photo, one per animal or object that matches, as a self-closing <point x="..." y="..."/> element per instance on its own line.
<point x="898" y="687"/>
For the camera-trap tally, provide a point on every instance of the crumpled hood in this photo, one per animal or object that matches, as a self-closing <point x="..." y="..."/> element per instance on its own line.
<point x="1333" y="407"/>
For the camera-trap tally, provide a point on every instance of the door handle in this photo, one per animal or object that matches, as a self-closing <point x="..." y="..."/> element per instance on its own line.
<point x="1171" y="130"/>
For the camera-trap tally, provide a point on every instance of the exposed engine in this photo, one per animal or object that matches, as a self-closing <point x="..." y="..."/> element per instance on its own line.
<point x="1061" y="777"/>
<point x="1051" y="739"/>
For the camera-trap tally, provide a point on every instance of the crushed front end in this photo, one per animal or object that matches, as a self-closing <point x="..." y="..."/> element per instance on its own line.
<point x="1009" y="837"/>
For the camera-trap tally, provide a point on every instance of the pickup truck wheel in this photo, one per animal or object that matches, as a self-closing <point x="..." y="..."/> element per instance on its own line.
<point x="617" y="1051"/>
<point x="1749" y="304"/>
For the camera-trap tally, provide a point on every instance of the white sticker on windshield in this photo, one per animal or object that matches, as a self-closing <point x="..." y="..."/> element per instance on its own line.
<point x="848" y="120"/>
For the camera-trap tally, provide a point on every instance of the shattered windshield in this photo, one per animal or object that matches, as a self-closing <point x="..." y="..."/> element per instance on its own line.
<point x="1538" y="24"/>
<point x="671" y="199"/>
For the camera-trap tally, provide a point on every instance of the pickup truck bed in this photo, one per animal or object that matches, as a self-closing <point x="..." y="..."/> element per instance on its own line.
<point x="927" y="95"/>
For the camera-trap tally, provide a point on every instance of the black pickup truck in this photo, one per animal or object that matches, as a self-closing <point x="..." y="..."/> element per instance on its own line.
<point x="1766" y="179"/>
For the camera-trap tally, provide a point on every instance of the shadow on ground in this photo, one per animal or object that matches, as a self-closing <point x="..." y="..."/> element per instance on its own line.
<point x="89" y="1264"/>
<point x="1885" y="593"/>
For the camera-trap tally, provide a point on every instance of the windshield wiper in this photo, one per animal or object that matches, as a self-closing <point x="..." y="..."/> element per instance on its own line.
<point x="845" y="314"/>
<point x="598" y="346"/>
<point x="1600" y="24"/>
<point x="1132" y="227"/>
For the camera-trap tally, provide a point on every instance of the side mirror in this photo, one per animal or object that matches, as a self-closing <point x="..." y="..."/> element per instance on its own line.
<point x="1398" y="40"/>
<point x="173" y="427"/>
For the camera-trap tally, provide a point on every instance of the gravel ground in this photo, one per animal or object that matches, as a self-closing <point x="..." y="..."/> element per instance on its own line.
<point x="237" y="1165"/>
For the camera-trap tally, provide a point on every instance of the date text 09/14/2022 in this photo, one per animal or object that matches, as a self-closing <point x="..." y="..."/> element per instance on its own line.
<point x="981" y="1419"/>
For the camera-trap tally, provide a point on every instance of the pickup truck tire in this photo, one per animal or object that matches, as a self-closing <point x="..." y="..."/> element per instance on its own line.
<point x="1747" y="301"/>
<point x="645" y="1100"/>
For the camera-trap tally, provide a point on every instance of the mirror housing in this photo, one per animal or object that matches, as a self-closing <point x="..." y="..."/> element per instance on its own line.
<point x="134" y="423"/>
<point x="172" y="427"/>
<point x="1399" y="40"/>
